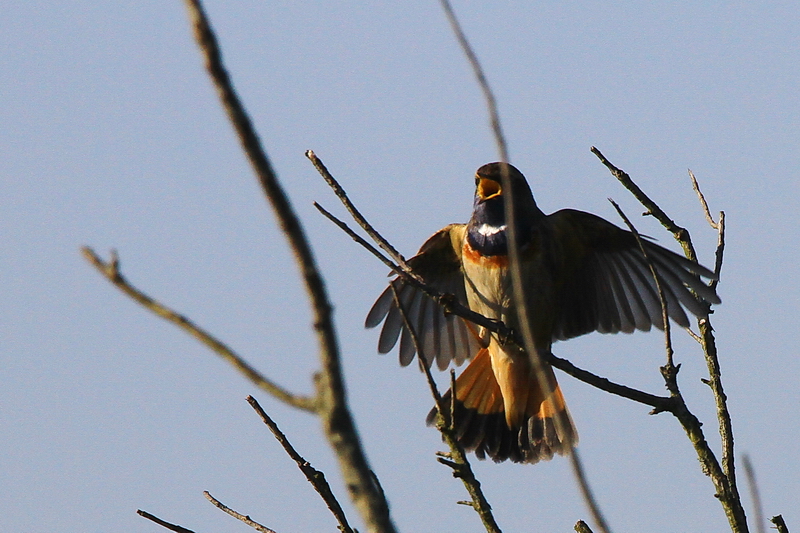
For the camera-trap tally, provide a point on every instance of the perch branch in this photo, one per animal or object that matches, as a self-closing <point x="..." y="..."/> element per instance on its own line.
<point x="331" y="395"/>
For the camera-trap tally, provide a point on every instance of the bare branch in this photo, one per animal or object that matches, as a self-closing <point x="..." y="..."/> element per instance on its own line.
<point x="244" y="518"/>
<point x="163" y="523"/>
<point x="680" y="233"/>
<point x="583" y="483"/>
<point x="354" y="212"/>
<point x="491" y="102"/>
<point x="331" y="395"/>
<point x="722" y="473"/>
<point x="111" y="271"/>
<point x="359" y="239"/>
<point x="755" y="494"/>
<point x="780" y="525"/>
<point x="703" y="202"/>
<point x="314" y="476"/>
<point x="457" y="458"/>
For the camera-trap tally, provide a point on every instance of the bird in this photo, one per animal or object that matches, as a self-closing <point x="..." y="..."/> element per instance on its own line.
<point x="580" y="273"/>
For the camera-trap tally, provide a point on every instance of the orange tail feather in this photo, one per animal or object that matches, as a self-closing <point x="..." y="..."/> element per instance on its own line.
<point x="539" y="426"/>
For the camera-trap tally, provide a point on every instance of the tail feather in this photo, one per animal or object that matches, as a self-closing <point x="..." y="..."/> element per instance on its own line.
<point x="544" y="429"/>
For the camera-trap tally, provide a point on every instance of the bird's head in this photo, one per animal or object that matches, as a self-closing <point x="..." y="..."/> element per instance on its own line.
<point x="490" y="197"/>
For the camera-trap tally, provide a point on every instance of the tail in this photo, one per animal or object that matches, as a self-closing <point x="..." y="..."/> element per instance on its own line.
<point x="538" y="429"/>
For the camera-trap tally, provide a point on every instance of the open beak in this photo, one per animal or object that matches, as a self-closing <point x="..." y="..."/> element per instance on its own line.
<point x="487" y="189"/>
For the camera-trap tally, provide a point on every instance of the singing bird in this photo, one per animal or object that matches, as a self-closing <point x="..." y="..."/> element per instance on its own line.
<point x="580" y="273"/>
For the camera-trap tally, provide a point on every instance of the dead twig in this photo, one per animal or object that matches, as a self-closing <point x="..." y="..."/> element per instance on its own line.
<point x="163" y="523"/>
<point x="314" y="476"/>
<point x="243" y="518"/>
<point x="457" y="458"/>
<point x="111" y="271"/>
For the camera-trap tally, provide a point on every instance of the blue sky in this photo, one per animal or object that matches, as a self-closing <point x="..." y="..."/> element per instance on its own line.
<point x="113" y="137"/>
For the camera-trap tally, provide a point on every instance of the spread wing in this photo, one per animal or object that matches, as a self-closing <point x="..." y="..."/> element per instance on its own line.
<point x="441" y="337"/>
<point x="607" y="285"/>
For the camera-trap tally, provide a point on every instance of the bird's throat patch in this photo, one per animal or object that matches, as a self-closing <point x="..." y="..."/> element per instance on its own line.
<point x="488" y="261"/>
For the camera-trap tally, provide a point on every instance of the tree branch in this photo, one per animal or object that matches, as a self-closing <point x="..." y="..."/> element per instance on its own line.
<point x="111" y="271"/>
<point x="331" y="395"/>
<point x="244" y="518"/>
<point x="457" y="458"/>
<point x="163" y="523"/>
<point x="314" y="476"/>
<point x="722" y="473"/>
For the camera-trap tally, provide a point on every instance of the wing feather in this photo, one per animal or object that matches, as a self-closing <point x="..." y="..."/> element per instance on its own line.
<point x="606" y="284"/>
<point x="442" y="338"/>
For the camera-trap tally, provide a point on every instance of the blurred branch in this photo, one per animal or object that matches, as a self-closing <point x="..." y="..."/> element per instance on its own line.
<point x="477" y="69"/>
<point x="163" y="523"/>
<point x="314" y="476"/>
<point x="244" y="518"/>
<point x="722" y="473"/>
<point x="755" y="494"/>
<point x="586" y="492"/>
<point x="111" y="271"/>
<point x="331" y="395"/>
<point x="535" y="357"/>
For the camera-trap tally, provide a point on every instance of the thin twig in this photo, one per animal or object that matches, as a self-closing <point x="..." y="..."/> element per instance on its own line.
<point x="457" y="458"/>
<point x="163" y="523"/>
<point x="111" y="271"/>
<point x="239" y="516"/>
<point x="591" y="502"/>
<point x="670" y="372"/>
<point x="680" y="233"/>
<point x="354" y="212"/>
<point x="755" y="494"/>
<point x="333" y="410"/>
<point x="722" y="473"/>
<point x="314" y="476"/>
<point x="703" y="203"/>
<point x="359" y="239"/>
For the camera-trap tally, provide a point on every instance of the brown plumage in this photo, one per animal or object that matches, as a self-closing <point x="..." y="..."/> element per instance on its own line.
<point x="580" y="274"/>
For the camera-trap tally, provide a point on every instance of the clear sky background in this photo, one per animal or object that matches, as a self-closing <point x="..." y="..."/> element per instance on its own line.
<point x="111" y="135"/>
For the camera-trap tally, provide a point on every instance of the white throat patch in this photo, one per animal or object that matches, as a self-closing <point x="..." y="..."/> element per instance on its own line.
<point x="486" y="230"/>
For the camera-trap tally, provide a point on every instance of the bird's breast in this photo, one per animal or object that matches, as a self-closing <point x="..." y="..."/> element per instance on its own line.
<point x="488" y="283"/>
